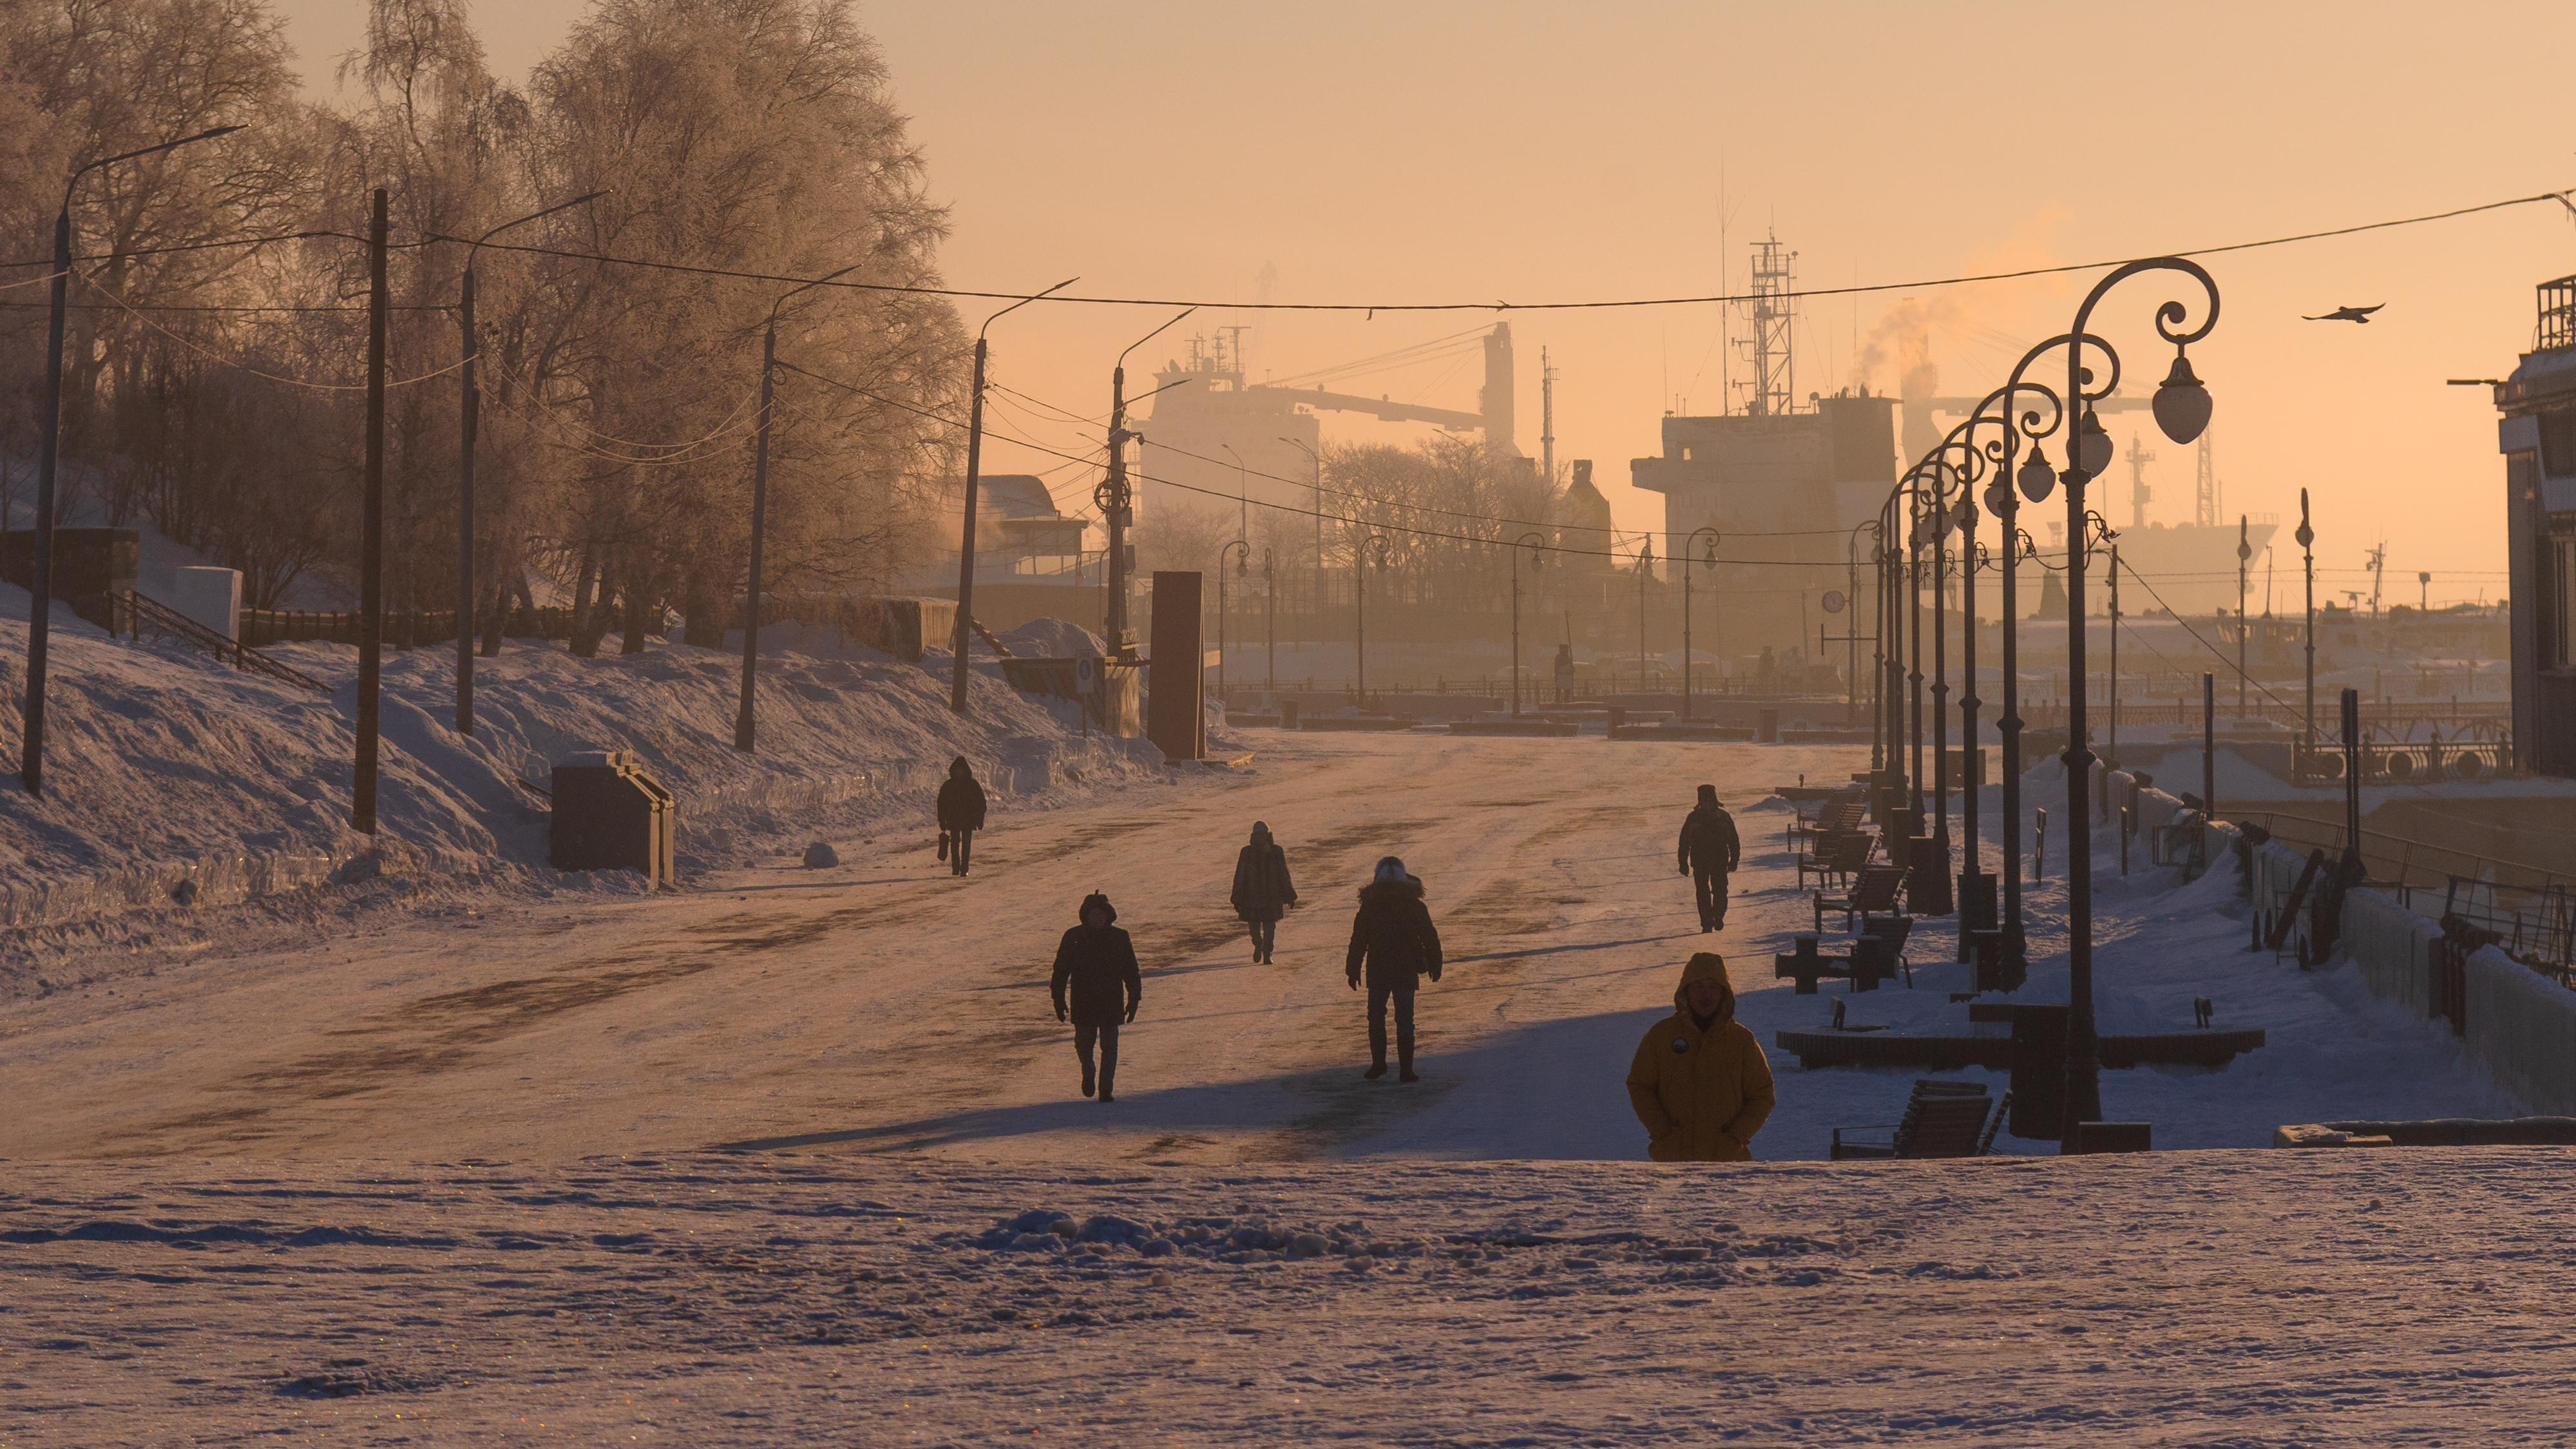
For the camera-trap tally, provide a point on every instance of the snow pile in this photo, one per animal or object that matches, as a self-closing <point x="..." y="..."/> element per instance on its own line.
<point x="170" y="776"/>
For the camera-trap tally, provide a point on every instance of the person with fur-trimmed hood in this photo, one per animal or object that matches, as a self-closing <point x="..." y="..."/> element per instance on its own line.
<point x="1710" y="850"/>
<point x="1262" y="891"/>
<point x="1392" y="936"/>
<point x="1097" y="988"/>
<point x="1699" y="1081"/>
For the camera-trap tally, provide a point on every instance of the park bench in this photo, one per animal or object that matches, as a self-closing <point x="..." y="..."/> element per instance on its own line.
<point x="1833" y="818"/>
<point x="1867" y="965"/>
<point x="1894" y="932"/>
<point x="1837" y="857"/>
<point x="1942" y="1119"/>
<point x="1873" y="894"/>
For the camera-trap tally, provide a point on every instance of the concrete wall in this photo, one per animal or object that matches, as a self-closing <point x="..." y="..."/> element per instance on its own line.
<point x="2521" y="1024"/>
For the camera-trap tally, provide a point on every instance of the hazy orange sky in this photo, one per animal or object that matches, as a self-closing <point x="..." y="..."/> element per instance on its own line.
<point x="1524" y="150"/>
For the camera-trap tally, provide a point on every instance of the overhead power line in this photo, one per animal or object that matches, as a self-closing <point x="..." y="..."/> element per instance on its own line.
<point x="1498" y="304"/>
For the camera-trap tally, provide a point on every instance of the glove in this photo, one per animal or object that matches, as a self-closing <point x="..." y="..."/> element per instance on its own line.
<point x="1060" y="1014"/>
<point x="1355" y="983"/>
<point x="1681" y="870"/>
<point x="1131" y="1016"/>
<point x="1435" y="973"/>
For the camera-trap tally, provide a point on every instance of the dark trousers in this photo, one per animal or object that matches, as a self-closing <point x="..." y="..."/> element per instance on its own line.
<point x="1107" y="1036"/>
<point x="1710" y="887"/>
<point x="1265" y="935"/>
<point x="959" y="843"/>
<point x="1378" y="998"/>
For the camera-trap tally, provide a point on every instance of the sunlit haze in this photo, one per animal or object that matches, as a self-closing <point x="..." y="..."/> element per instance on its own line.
<point x="1522" y="151"/>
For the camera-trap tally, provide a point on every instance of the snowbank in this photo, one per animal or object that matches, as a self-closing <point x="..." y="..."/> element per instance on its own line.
<point x="172" y="777"/>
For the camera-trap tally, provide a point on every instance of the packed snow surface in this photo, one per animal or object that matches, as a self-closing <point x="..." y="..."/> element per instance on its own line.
<point x="795" y="1154"/>
<point x="2257" y="1298"/>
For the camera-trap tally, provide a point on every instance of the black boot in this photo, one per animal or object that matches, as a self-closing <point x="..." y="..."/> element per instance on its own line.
<point x="1404" y="1059"/>
<point x="1108" y="1075"/>
<point x="1089" y="1081"/>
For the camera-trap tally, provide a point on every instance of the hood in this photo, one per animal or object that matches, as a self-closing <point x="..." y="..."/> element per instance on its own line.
<point x="1260" y="832"/>
<point x="1407" y="889"/>
<point x="1705" y="966"/>
<point x="1100" y="900"/>
<point x="1708" y="794"/>
<point x="958" y="770"/>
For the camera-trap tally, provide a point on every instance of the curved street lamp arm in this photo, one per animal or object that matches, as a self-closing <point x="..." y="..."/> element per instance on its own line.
<point x="87" y="167"/>
<point x="996" y="317"/>
<point x="1132" y="346"/>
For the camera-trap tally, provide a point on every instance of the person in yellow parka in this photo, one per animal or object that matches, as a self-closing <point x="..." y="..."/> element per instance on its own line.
<point x="1700" y="1082"/>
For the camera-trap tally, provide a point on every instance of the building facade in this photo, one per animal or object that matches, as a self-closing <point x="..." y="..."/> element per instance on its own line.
<point x="2538" y="439"/>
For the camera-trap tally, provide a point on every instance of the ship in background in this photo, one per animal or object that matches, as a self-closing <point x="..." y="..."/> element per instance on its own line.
<point x="1790" y="484"/>
<point x="1216" y="442"/>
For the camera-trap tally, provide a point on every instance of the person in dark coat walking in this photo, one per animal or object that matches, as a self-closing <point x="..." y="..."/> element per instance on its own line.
<point x="1097" y="988"/>
<point x="1394" y="938"/>
<point x="1710" y="851"/>
<point x="961" y="812"/>
<point x="1262" y="891"/>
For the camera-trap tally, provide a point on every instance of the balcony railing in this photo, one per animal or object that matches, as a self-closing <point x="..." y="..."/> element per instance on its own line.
<point x="2557" y="315"/>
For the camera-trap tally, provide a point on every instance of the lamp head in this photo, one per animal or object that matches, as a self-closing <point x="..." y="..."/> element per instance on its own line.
<point x="2036" y="478"/>
<point x="2182" y="404"/>
<point x="2094" y="448"/>
<point x="1999" y="496"/>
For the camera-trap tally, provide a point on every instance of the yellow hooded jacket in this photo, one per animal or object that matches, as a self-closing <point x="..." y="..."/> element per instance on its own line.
<point x="1701" y="1094"/>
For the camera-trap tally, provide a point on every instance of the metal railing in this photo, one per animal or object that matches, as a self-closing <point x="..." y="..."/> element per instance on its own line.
<point x="2526" y="908"/>
<point x="161" y="619"/>
<point x="2557" y="315"/>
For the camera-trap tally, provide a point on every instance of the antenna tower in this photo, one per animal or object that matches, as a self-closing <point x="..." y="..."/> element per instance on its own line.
<point x="2205" y="509"/>
<point x="2139" y="492"/>
<point x="1546" y="419"/>
<point x="1773" y="315"/>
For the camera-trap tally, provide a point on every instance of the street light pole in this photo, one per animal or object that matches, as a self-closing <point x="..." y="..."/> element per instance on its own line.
<point x="966" y="528"/>
<point x="2308" y="564"/>
<point x="1318" y="460"/>
<point x="31" y="764"/>
<point x="2244" y="561"/>
<point x="1536" y="542"/>
<point x="1241" y="552"/>
<point x="1374" y="546"/>
<point x="743" y="717"/>
<point x="469" y="418"/>
<point x="1117" y="501"/>
<point x="2182" y="407"/>
<point x="1707" y="553"/>
<point x="1270" y="601"/>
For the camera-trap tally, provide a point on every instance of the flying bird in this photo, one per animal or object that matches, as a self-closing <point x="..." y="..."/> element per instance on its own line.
<point x="2349" y="314"/>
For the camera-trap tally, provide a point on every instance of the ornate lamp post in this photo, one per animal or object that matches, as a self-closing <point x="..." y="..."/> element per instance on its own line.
<point x="1536" y="543"/>
<point x="1877" y="642"/>
<point x="1373" y="548"/>
<point x="2182" y="407"/>
<point x="1708" y="556"/>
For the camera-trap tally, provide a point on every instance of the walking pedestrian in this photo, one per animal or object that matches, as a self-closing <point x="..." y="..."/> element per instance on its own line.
<point x="1709" y="852"/>
<point x="1393" y="936"/>
<point x="1262" y="890"/>
<point x="961" y="812"/>
<point x="1699" y="1082"/>
<point x="1097" y="988"/>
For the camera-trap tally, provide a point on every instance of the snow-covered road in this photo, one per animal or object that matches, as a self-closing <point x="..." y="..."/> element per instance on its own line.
<point x="887" y="1006"/>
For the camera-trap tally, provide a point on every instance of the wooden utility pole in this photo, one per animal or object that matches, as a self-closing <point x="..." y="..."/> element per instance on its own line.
<point x="371" y="558"/>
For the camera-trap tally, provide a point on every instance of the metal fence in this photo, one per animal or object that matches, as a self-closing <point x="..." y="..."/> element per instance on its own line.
<point x="2526" y="909"/>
